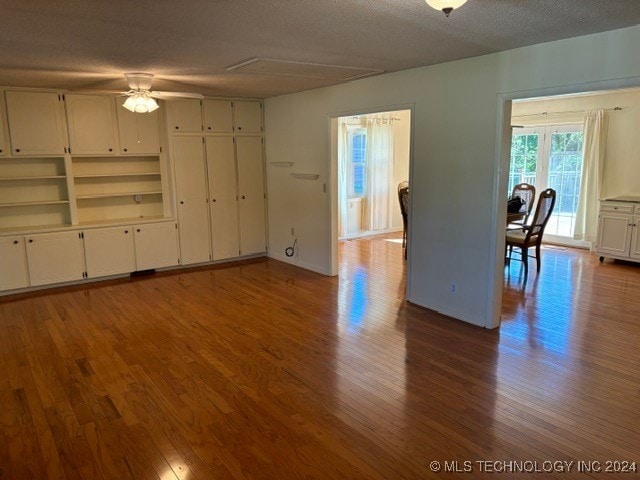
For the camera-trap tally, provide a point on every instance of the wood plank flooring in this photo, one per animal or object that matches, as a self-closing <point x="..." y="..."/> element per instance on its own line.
<point x="263" y="370"/>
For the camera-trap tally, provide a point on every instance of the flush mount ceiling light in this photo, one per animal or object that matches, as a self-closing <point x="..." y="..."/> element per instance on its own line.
<point x="140" y="102"/>
<point x="446" y="6"/>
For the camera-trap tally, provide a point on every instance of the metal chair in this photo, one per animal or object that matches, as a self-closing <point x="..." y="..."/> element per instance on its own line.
<point x="529" y="236"/>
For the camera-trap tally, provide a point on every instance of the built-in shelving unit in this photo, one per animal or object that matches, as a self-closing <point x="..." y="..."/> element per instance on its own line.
<point x="33" y="193"/>
<point x="109" y="189"/>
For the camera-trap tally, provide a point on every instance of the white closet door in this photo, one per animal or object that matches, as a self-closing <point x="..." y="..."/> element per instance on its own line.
<point x="109" y="251"/>
<point x="251" y="192"/>
<point x="186" y="115"/>
<point x="223" y="193"/>
<point x="139" y="132"/>
<point x="218" y="116"/>
<point x="191" y="192"/>
<point x="36" y="123"/>
<point x="13" y="263"/>
<point x="91" y="121"/>
<point x="156" y="245"/>
<point x="247" y="116"/>
<point x="55" y="257"/>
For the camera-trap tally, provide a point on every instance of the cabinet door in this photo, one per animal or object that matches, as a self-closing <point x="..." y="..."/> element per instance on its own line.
<point x="191" y="192"/>
<point x="218" y="116"/>
<point x="36" y="123"/>
<point x="635" y="239"/>
<point x="139" y="132"/>
<point x="247" y="116"/>
<point x="614" y="234"/>
<point x="251" y="191"/>
<point x="91" y="122"/>
<point x="223" y="193"/>
<point x="13" y="263"/>
<point x="156" y="245"/>
<point x="55" y="257"/>
<point x="186" y="115"/>
<point x="109" y="251"/>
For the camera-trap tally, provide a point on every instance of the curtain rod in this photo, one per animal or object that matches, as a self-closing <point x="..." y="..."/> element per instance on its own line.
<point x="614" y="109"/>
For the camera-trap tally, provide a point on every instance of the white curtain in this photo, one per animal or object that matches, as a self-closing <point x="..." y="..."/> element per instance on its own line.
<point x="379" y="174"/>
<point x="594" y="145"/>
<point x="343" y="166"/>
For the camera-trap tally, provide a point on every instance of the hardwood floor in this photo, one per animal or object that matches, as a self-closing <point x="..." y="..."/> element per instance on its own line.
<point x="264" y="370"/>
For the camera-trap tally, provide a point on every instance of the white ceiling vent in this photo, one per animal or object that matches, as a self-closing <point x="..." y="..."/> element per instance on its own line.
<point x="288" y="68"/>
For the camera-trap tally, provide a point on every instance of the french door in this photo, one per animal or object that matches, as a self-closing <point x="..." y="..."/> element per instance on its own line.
<point x="550" y="157"/>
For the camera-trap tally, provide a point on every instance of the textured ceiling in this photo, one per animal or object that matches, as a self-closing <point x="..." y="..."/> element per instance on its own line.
<point x="189" y="44"/>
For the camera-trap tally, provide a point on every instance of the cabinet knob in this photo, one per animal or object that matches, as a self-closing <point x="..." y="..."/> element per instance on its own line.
<point x="17" y="149"/>
<point x="137" y="230"/>
<point x="15" y="242"/>
<point x="239" y="128"/>
<point x="30" y="240"/>
<point x="243" y="197"/>
<point x="126" y="231"/>
<point x="213" y="200"/>
<point x="111" y="149"/>
<point x="0" y="150"/>
<point x="208" y="128"/>
<point x="124" y="149"/>
<point x="177" y="127"/>
<point x="181" y="202"/>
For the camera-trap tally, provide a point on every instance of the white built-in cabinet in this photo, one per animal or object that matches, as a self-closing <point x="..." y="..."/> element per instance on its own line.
<point x="619" y="230"/>
<point x="223" y="180"/>
<point x="247" y="116"/>
<point x="139" y="133"/>
<point x="109" y="251"/>
<point x="91" y="122"/>
<point x="156" y="245"/>
<point x="36" y="123"/>
<point x="13" y="264"/>
<point x="217" y="116"/>
<point x="251" y="194"/>
<point x="191" y="186"/>
<point x="186" y="116"/>
<point x="55" y="257"/>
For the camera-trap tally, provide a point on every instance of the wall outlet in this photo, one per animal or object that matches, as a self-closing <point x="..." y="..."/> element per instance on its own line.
<point x="454" y="287"/>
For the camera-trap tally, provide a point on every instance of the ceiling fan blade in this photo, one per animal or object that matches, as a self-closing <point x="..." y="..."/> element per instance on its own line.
<point x="100" y="92"/>
<point x="170" y="95"/>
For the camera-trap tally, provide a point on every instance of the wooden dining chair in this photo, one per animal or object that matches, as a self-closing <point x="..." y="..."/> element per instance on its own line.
<point x="529" y="236"/>
<point x="403" y="199"/>
<point x="527" y="193"/>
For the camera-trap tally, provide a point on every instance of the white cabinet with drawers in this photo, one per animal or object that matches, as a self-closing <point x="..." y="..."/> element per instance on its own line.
<point x="619" y="229"/>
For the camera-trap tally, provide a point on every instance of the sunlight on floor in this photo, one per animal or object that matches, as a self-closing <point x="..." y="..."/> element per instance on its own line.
<point x="393" y="240"/>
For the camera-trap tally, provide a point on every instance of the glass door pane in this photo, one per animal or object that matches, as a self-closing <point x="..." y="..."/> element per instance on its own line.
<point x="564" y="175"/>
<point x="525" y="149"/>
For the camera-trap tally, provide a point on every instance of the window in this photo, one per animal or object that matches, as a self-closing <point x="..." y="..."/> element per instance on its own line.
<point x="550" y="157"/>
<point x="357" y="148"/>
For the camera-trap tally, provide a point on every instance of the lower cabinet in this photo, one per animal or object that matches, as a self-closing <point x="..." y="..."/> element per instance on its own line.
<point x="619" y="230"/>
<point x="109" y="251"/>
<point x="55" y="257"/>
<point x="156" y="245"/>
<point x="13" y="263"/>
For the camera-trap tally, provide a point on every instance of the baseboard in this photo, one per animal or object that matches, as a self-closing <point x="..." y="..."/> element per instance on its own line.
<point x="372" y="233"/>
<point x="449" y="311"/>
<point x="296" y="263"/>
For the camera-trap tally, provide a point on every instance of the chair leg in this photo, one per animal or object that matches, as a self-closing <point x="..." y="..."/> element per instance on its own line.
<point x="538" y="258"/>
<point x="525" y="260"/>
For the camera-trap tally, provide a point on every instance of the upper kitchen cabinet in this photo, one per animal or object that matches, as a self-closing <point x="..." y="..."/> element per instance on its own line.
<point x="36" y="123"/>
<point x="91" y="122"/>
<point x="218" y="116"/>
<point x="139" y="132"/>
<point x="186" y="115"/>
<point x="247" y="116"/>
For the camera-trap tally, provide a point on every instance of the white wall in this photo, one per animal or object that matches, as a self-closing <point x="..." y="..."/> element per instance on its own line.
<point x="622" y="159"/>
<point x="455" y="147"/>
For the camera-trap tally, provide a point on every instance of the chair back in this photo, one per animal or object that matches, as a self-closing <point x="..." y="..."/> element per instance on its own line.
<point x="546" y="202"/>
<point x="403" y="199"/>
<point x="527" y="193"/>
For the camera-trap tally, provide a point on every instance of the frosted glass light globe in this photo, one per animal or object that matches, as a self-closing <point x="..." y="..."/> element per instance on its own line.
<point x="446" y="6"/>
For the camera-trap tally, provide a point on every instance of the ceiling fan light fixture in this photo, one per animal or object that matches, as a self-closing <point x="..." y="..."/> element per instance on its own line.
<point x="447" y="6"/>
<point x="140" y="102"/>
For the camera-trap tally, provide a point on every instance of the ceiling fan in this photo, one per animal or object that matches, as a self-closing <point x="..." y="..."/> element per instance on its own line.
<point x="140" y="97"/>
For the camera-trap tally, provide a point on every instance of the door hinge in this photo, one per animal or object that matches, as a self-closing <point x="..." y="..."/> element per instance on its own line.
<point x="69" y="149"/>
<point x="239" y="252"/>
<point x="59" y="98"/>
<point x="176" y="225"/>
<point x="63" y="97"/>
<point x="65" y="149"/>
<point x="160" y="149"/>
<point x="210" y="257"/>
<point x="203" y="140"/>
